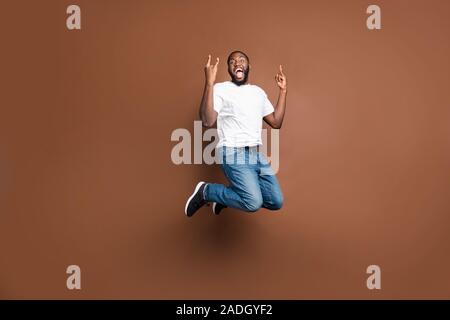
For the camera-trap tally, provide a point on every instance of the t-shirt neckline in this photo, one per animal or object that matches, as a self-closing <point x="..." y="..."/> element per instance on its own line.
<point x="247" y="84"/>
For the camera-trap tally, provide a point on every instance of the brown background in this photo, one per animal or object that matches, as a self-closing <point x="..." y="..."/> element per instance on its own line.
<point x="87" y="179"/>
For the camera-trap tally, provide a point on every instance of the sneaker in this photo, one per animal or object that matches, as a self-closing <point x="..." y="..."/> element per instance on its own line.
<point x="217" y="207"/>
<point x="196" y="200"/>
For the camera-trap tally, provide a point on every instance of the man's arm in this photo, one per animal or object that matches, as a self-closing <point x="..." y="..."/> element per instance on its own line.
<point x="275" y="119"/>
<point x="207" y="113"/>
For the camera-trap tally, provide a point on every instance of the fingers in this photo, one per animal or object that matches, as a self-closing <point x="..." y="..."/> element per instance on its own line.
<point x="278" y="78"/>
<point x="208" y="63"/>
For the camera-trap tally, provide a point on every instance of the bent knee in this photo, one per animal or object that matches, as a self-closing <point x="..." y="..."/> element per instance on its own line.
<point x="276" y="203"/>
<point x="252" y="204"/>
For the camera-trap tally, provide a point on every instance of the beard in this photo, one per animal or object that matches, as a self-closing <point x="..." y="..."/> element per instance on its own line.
<point x="244" y="79"/>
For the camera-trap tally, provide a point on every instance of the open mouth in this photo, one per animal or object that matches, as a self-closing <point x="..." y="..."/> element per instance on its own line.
<point x="239" y="72"/>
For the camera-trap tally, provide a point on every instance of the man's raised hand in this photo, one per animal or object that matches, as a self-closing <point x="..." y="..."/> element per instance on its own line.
<point x="280" y="78"/>
<point x="211" y="71"/>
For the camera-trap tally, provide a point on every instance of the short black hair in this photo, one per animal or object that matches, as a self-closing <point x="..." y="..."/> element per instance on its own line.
<point x="237" y="51"/>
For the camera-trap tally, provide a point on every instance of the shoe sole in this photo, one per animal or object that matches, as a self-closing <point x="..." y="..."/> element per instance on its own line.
<point x="190" y="198"/>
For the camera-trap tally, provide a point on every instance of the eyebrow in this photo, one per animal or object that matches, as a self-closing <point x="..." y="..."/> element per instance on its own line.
<point x="238" y="57"/>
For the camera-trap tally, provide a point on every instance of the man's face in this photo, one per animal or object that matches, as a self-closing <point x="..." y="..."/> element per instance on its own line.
<point x="238" y="68"/>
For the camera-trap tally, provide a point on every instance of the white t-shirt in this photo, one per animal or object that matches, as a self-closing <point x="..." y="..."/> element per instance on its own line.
<point x="240" y="111"/>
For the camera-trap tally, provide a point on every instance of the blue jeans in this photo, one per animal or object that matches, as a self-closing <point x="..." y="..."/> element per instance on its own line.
<point x="253" y="183"/>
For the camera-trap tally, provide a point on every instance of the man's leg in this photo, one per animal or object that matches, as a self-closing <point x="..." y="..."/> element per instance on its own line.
<point x="271" y="192"/>
<point x="244" y="192"/>
<point x="270" y="188"/>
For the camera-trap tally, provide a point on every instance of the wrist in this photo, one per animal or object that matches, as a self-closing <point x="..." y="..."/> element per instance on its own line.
<point x="283" y="90"/>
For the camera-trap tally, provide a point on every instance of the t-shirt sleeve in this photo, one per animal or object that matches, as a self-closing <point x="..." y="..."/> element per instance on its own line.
<point x="217" y="100"/>
<point x="268" y="107"/>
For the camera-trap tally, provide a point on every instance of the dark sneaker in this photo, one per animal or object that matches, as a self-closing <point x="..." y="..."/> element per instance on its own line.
<point x="196" y="200"/>
<point x="217" y="207"/>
